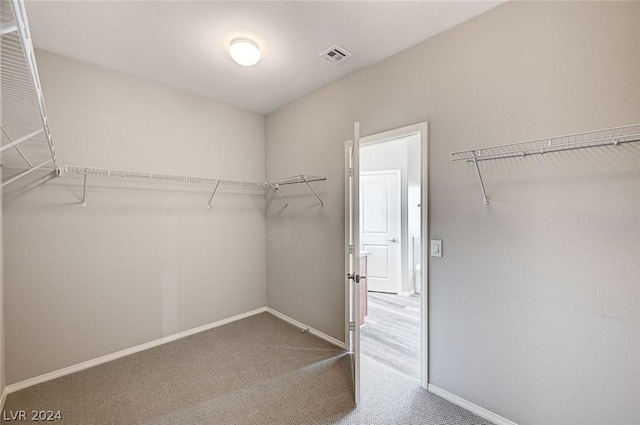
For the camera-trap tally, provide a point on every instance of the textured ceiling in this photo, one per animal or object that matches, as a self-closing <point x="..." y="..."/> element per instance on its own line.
<point x="184" y="44"/>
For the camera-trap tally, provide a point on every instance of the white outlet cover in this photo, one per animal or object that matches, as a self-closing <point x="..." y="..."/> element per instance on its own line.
<point x="436" y="248"/>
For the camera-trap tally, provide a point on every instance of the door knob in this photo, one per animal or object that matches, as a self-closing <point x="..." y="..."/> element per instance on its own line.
<point x="392" y="240"/>
<point x="355" y="277"/>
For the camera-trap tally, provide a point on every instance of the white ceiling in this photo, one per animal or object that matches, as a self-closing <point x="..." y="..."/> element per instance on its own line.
<point x="184" y="44"/>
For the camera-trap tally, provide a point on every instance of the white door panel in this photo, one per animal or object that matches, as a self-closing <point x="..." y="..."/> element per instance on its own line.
<point x="352" y="255"/>
<point x="380" y="219"/>
<point x="375" y="208"/>
<point x="378" y="266"/>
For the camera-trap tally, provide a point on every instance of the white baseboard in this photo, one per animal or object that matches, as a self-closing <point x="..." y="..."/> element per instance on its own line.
<point x="407" y="293"/>
<point x="118" y="354"/>
<point x="467" y="405"/>
<point x="311" y="330"/>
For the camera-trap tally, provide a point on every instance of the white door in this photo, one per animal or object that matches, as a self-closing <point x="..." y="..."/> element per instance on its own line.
<point x="380" y="228"/>
<point x="352" y="255"/>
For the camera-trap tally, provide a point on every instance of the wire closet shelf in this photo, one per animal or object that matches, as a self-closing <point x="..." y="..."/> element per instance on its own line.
<point x="25" y="139"/>
<point x="129" y="176"/>
<point x="590" y="139"/>
<point x="26" y="142"/>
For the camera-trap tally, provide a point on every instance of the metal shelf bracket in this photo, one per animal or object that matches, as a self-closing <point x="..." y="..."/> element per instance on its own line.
<point x="485" y="199"/>
<point x="299" y="178"/>
<point x="304" y="177"/>
<point x="275" y="189"/>
<point x="24" y="173"/>
<point x="8" y="27"/>
<point x="213" y="194"/>
<point x="84" y="191"/>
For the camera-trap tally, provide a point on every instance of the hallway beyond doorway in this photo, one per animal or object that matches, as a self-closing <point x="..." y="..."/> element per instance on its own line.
<point x="391" y="334"/>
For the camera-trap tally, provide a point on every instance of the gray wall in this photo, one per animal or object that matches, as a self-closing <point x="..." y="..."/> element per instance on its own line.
<point x="139" y="262"/>
<point x="535" y="306"/>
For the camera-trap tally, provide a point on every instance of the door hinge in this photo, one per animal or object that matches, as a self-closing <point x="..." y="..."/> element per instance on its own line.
<point x="352" y="326"/>
<point x="352" y="249"/>
<point x="351" y="172"/>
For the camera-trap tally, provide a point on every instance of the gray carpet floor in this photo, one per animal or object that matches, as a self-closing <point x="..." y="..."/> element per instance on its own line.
<point x="258" y="370"/>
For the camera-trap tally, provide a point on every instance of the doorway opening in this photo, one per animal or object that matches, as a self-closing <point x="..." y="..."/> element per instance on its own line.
<point x="390" y="243"/>
<point x="382" y="238"/>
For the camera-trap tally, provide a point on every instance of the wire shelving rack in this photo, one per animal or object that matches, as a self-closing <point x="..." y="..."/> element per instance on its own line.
<point x="25" y="139"/>
<point x="590" y="139"/>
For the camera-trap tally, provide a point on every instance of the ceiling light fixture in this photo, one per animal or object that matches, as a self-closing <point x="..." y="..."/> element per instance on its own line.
<point x="244" y="51"/>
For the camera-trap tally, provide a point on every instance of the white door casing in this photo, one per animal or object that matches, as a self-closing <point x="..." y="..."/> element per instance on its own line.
<point x="381" y="228"/>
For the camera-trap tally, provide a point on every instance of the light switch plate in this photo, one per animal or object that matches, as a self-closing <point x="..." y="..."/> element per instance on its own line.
<point x="436" y="248"/>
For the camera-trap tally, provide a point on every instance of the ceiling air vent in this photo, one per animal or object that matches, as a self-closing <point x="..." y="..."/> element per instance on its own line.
<point x="335" y="54"/>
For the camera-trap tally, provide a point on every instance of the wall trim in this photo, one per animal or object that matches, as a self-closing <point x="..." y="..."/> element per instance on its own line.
<point x="122" y="353"/>
<point x="311" y="330"/>
<point x="471" y="407"/>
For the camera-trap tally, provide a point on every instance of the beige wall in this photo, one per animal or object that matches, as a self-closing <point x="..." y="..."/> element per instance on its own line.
<point x="138" y="263"/>
<point x="535" y="306"/>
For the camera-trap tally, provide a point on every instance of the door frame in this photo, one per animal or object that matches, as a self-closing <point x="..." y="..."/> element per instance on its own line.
<point x="421" y="128"/>
<point x="402" y="241"/>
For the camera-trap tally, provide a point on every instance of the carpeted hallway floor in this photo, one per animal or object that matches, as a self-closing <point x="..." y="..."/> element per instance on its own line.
<point x="259" y="370"/>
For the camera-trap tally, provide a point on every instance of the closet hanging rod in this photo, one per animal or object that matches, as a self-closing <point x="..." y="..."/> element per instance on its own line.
<point x="590" y="139"/>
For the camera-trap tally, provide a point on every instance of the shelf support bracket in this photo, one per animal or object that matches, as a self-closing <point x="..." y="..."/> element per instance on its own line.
<point x="84" y="191"/>
<point x="213" y="194"/>
<point x="20" y="140"/>
<point x="8" y="28"/>
<point x="17" y="148"/>
<point x="24" y="173"/>
<point x="485" y="199"/>
<point x="286" y="204"/>
<point x="304" y="177"/>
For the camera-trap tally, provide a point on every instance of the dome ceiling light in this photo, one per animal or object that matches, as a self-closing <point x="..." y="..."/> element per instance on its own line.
<point x="244" y="51"/>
